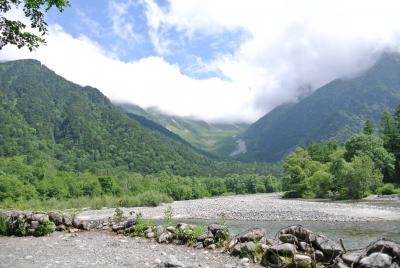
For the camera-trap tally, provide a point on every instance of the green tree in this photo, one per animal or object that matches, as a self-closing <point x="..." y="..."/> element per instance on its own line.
<point x="373" y="147"/>
<point x="359" y="178"/>
<point x="14" y="32"/>
<point x="369" y="128"/>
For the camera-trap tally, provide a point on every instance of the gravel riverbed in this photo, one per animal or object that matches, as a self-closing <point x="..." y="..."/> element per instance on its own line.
<point x="100" y="249"/>
<point x="261" y="207"/>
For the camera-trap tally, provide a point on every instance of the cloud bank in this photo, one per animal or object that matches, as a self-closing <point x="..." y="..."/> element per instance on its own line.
<point x="290" y="47"/>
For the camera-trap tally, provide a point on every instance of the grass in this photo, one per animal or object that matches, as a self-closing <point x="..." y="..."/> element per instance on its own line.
<point x="148" y="198"/>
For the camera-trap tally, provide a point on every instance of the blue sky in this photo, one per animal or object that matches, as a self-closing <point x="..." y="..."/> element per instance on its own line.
<point x="220" y="61"/>
<point x="121" y="27"/>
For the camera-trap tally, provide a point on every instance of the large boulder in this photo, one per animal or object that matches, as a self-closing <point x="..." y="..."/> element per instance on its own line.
<point x="353" y="256"/>
<point x="55" y="217"/>
<point x="329" y="247"/>
<point x="251" y="235"/>
<point x="302" y="261"/>
<point x="214" y="228"/>
<point x="289" y="238"/>
<point x="386" y="246"/>
<point x="376" y="260"/>
<point x="298" y="231"/>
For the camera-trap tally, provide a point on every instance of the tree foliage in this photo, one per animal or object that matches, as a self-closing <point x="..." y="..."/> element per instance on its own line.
<point x="15" y="32"/>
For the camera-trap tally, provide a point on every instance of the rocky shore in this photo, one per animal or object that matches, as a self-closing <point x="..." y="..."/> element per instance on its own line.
<point x="261" y="207"/>
<point x="294" y="246"/>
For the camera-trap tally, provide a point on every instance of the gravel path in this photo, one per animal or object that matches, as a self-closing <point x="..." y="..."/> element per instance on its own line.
<point x="261" y="207"/>
<point x="99" y="249"/>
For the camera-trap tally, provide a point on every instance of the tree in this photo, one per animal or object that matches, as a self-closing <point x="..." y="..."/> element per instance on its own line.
<point x="371" y="146"/>
<point x="369" y="128"/>
<point x="14" y="32"/>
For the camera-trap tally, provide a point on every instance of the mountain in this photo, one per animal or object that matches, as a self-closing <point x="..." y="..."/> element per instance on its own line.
<point x="333" y="112"/>
<point x="42" y="115"/>
<point x="203" y="135"/>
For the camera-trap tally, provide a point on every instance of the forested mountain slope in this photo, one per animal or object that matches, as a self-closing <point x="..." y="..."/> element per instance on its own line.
<point x="44" y="115"/>
<point x="333" y="112"/>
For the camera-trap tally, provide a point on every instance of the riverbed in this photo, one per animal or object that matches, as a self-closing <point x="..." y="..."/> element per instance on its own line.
<point x="356" y="223"/>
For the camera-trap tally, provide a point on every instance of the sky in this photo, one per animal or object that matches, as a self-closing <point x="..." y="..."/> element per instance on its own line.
<point x="220" y="61"/>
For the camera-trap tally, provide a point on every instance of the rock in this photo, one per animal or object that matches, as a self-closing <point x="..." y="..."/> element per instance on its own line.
<point x="236" y="249"/>
<point x="205" y="235"/>
<point x="340" y="265"/>
<point x="249" y="247"/>
<point x="117" y="227"/>
<point x="212" y="247"/>
<point x="213" y="228"/>
<point x="376" y="260"/>
<point x="288" y="238"/>
<point x="244" y="262"/>
<point x="251" y="235"/>
<point x="198" y="245"/>
<point x="184" y="226"/>
<point x="61" y="228"/>
<point x="208" y="241"/>
<point x="352" y="257"/>
<point x="171" y="229"/>
<point x="319" y="255"/>
<point x="55" y="217"/>
<point x="73" y="230"/>
<point x="173" y="262"/>
<point x="150" y="235"/>
<point x="40" y="217"/>
<point x="81" y="224"/>
<point x="329" y="247"/>
<point x="159" y="229"/>
<point x="34" y="224"/>
<point x="302" y="261"/>
<point x="130" y="222"/>
<point x="67" y="220"/>
<point x="385" y="246"/>
<point x="305" y="247"/>
<point x="284" y="249"/>
<point x="298" y="231"/>
<point x="165" y="237"/>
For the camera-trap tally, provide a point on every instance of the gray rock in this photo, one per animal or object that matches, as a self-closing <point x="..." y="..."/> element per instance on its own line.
<point x="329" y="247"/>
<point x="165" y="237"/>
<point x="212" y="247"/>
<point x="171" y="229"/>
<point x="61" y="228"/>
<point x="302" y="261"/>
<point x="159" y="229"/>
<point x="55" y="217"/>
<point x="300" y="232"/>
<point x="284" y="249"/>
<point x="213" y="228"/>
<point x="208" y="241"/>
<point x="319" y="255"/>
<point x="205" y="235"/>
<point x="67" y="220"/>
<point x="251" y="235"/>
<point x="131" y="221"/>
<point x="40" y="217"/>
<point x="198" y="245"/>
<point x="288" y="238"/>
<point x="117" y="227"/>
<point x="376" y="260"/>
<point x="34" y="224"/>
<point x="353" y="256"/>
<point x="236" y="249"/>
<point x="385" y="246"/>
<point x="173" y="262"/>
<point x="150" y="235"/>
<point x="340" y="264"/>
<point x="305" y="247"/>
<point x="249" y="247"/>
<point x="184" y="226"/>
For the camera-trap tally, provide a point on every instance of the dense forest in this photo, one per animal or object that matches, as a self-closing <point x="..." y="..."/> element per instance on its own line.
<point x="367" y="163"/>
<point x="61" y="141"/>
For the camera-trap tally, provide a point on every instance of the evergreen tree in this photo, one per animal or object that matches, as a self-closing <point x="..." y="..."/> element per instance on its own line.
<point x="369" y="128"/>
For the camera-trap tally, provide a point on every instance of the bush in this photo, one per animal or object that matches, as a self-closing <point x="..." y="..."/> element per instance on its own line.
<point x="45" y="228"/>
<point x="4" y="228"/>
<point x="387" y="189"/>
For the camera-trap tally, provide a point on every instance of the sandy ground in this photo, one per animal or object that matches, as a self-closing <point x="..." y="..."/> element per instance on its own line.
<point x="261" y="207"/>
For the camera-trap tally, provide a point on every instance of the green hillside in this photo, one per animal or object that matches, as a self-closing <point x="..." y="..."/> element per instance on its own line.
<point x="203" y="135"/>
<point x="334" y="112"/>
<point x="44" y="115"/>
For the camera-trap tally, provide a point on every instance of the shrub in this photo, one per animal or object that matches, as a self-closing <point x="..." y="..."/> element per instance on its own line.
<point x="4" y="228"/>
<point x="387" y="189"/>
<point x="45" y="228"/>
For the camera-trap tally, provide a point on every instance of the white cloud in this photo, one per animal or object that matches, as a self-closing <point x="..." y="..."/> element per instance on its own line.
<point x="122" y="25"/>
<point x="290" y="45"/>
